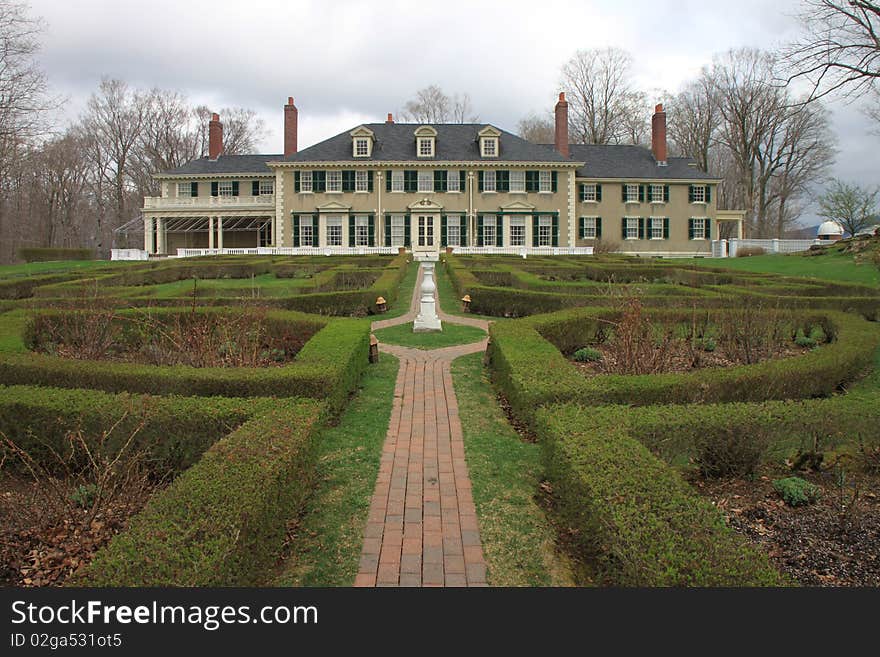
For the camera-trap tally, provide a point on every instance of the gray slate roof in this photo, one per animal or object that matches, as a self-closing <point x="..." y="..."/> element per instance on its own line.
<point x="455" y="142"/>
<point x="619" y="161"/>
<point x="225" y="164"/>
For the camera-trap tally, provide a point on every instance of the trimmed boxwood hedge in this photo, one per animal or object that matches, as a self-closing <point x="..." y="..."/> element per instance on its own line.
<point x="533" y="372"/>
<point x="327" y="367"/>
<point x="635" y="516"/>
<point x="44" y="254"/>
<point x="223" y="521"/>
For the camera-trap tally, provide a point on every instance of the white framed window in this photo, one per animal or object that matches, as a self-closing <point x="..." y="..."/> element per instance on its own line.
<point x="489" y="231"/>
<point x="361" y="230"/>
<point x="517" y="181"/>
<point x="698" y="193"/>
<point x="398" y="230"/>
<point x="490" y="146"/>
<point x="397" y="181"/>
<point x="589" y="194"/>
<point x="545" y="231"/>
<point x="306" y="231"/>
<point x="361" y="147"/>
<point x="657" y="194"/>
<point x="453" y="231"/>
<point x="267" y="187"/>
<point x="655" y="228"/>
<point x="334" y="231"/>
<point x="631" y="228"/>
<point x="334" y="181"/>
<point x="426" y="147"/>
<point x="698" y="228"/>
<point x="224" y="188"/>
<point x="488" y="181"/>
<point x="305" y="181"/>
<point x="453" y="181"/>
<point x="361" y="181"/>
<point x="184" y="189"/>
<point x="426" y="181"/>
<point x="545" y="181"/>
<point x="632" y="193"/>
<point x="517" y="231"/>
<point x="590" y="228"/>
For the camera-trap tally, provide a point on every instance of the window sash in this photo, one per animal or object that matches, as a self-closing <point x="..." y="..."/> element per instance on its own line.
<point x="426" y="146"/>
<point x="184" y="189"/>
<point x="656" y="228"/>
<point x="224" y="188"/>
<point x="589" y="227"/>
<point x="545" y="231"/>
<point x="361" y="231"/>
<point x="452" y="181"/>
<point x="699" y="228"/>
<point x="305" y="181"/>
<point x="489" y="234"/>
<point x="361" y="181"/>
<point x="490" y="147"/>
<point x="334" y="181"/>
<point x="398" y="230"/>
<point x="361" y="147"/>
<point x="397" y="181"/>
<point x="517" y="234"/>
<point x="545" y="181"/>
<point x="632" y="228"/>
<point x="589" y="192"/>
<point x="632" y="193"/>
<point x="267" y="187"/>
<point x="453" y="232"/>
<point x="426" y="181"/>
<point x="489" y="181"/>
<point x="657" y="193"/>
<point x="517" y="181"/>
<point x="699" y="193"/>
<point x="334" y="235"/>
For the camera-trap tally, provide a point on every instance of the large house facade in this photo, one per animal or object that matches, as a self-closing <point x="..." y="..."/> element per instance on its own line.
<point x="425" y="188"/>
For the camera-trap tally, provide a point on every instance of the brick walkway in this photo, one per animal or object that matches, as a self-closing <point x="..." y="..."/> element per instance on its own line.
<point x="422" y="527"/>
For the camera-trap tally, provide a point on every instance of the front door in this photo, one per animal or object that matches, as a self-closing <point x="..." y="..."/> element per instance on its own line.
<point x="425" y="236"/>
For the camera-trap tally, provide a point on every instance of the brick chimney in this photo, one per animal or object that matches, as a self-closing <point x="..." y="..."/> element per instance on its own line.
<point x="390" y="118"/>
<point x="658" y="135"/>
<point x="290" y="127"/>
<point x="215" y="137"/>
<point x="562" y="125"/>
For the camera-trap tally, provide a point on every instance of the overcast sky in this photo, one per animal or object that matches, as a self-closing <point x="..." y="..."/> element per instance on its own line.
<point x="351" y="62"/>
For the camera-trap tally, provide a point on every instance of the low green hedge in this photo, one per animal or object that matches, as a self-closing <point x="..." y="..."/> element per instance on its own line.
<point x="533" y="372"/>
<point x="327" y="367"/>
<point x="43" y="254"/>
<point x="174" y="431"/>
<point x="635" y="516"/>
<point x="223" y="521"/>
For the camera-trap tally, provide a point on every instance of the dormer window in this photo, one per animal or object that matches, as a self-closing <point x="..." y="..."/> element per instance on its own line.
<point x="490" y="147"/>
<point x="362" y="142"/>
<point x="426" y="141"/>
<point x="489" y="144"/>
<point x="361" y="147"/>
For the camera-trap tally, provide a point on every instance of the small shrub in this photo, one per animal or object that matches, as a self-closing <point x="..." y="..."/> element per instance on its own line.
<point x="706" y="344"/>
<point x="817" y="333"/>
<point x="84" y="495"/>
<point x="587" y="355"/>
<point x="734" y="451"/>
<point x="34" y="254"/>
<point x="750" y="251"/>
<point x="604" y="246"/>
<point x="802" y="340"/>
<point x="796" y="491"/>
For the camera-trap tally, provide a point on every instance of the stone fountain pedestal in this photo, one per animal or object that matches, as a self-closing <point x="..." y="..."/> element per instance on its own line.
<point x="427" y="319"/>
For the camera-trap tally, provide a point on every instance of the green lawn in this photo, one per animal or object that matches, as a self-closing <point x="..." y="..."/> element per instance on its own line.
<point x="404" y="293"/>
<point x="519" y="542"/>
<point x="833" y="266"/>
<point x="32" y="268"/>
<point x="329" y="537"/>
<point x="452" y="334"/>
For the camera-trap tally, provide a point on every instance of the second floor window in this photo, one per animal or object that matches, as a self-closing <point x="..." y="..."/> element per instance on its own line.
<point x="632" y="193"/>
<point x="698" y="193"/>
<point x="656" y="192"/>
<point x="267" y="187"/>
<point x="361" y="181"/>
<point x="225" y="188"/>
<point x="305" y="181"/>
<point x="184" y="189"/>
<point x="517" y="181"/>
<point x="545" y="181"/>
<point x="453" y="183"/>
<point x="334" y="181"/>
<point x="588" y="193"/>
<point x="488" y="181"/>
<point x="397" y="181"/>
<point x="426" y="181"/>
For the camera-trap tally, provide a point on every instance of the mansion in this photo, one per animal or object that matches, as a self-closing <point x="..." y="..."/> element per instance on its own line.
<point x="474" y="187"/>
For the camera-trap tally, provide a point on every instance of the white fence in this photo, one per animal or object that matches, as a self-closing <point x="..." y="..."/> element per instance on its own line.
<point x="291" y="251"/>
<point x="129" y="254"/>
<point x="197" y="202"/>
<point x="523" y="251"/>
<point x="729" y="248"/>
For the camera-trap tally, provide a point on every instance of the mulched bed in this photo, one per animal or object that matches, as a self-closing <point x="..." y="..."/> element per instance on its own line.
<point x="831" y="542"/>
<point x="42" y="542"/>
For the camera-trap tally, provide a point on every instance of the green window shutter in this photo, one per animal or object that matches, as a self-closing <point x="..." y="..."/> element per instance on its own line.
<point x="553" y="178"/>
<point x="623" y="228"/>
<point x="348" y="181"/>
<point x="255" y="188"/>
<point x="555" y="230"/>
<point x="582" y="228"/>
<point x="666" y="228"/>
<point x="462" y="180"/>
<point x="387" y="230"/>
<point x="535" y="230"/>
<point x="708" y="195"/>
<point x="295" y="231"/>
<point x="708" y="224"/>
<point x="443" y="219"/>
<point x="690" y="194"/>
<point x="623" y="192"/>
<point x="315" y="221"/>
<point x="406" y="230"/>
<point x="388" y="183"/>
<point x="583" y="192"/>
<point x="499" y="231"/>
<point x="532" y="181"/>
<point x="370" y="181"/>
<point x="598" y="227"/>
<point x="194" y="189"/>
<point x="641" y="228"/>
<point x="641" y="193"/>
<point x="598" y="192"/>
<point x="296" y="182"/>
<point x="480" y="183"/>
<point x="690" y="229"/>
<point x="371" y="230"/>
<point x="650" y="192"/>
<point x="410" y="181"/>
<point x="235" y="188"/>
<point x="503" y="181"/>
<point x="214" y="190"/>
<point x="480" y="230"/>
<point x="438" y="180"/>
<point x="666" y="193"/>
<point x="319" y="181"/>
<point x="464" y="226"/>
<point x="350" y="230"/>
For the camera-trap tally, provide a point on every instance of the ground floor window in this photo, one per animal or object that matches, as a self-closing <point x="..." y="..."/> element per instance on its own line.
<point x="590" y="228"/>
<point x="306" y="231"/>
<point x="265" y="236"/>
<point x="334" y="231"/>
<point x="698" y="228"/>
<point x="453" y="232"/>
<point x="361" y="231"/>
<point x="489" y="232"/>
<point x="545" y="231"/>
<point x="631" y="228"/>
<point x="656" y="228"/>
<point x="517" y="231"/>
<point x="398" y="230"/>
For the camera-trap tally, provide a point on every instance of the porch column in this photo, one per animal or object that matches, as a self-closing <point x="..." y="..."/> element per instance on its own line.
<point x="148" y="234"/>
<point x="219" y="232"/>
<point x="210" y="232"/>
<point x="739" y="229"/>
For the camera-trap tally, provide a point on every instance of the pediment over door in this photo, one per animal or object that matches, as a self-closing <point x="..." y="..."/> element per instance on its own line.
<point x="518" y="206"/>
<point x="425" y="205"/>
<point x="334" y="206"/>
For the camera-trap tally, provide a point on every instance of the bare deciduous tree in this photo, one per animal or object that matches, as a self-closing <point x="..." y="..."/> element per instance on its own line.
<point x="536" y="129"/>
<point x="433" y="105"/>
<point x="851" y="206"/>
<point x="840" y="47"/>
<point x="242" y="129"/>
<point x="694" y="119"/>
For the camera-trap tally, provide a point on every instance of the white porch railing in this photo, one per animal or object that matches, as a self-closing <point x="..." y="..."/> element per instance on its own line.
<point x="523" y="251"/>
<point x="196" y="202"/>
<point x="129" y="254"/>
<point x="729" y="248"/>
<point x="291" y="251"/>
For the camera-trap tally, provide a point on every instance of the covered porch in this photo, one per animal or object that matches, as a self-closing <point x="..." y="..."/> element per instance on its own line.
<point x="164" y="235"/>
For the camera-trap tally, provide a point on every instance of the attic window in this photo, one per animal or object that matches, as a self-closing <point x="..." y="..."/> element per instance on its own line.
<point x="426" y="147"/>
<point x="361" y="147"/>
<point x="489" y="146"/>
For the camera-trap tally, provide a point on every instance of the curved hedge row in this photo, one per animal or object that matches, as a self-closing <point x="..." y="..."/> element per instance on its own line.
<point x="223" y="521"/>
<point x="533" y="372"/>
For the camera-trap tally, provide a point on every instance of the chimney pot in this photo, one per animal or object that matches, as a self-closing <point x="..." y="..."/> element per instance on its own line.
<point x="658" y="135"/>
<point x="291" y="120"/>
<point x="561" y="139"/>
<point x="215" y="137"/>
<point x="390" y="118"/>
